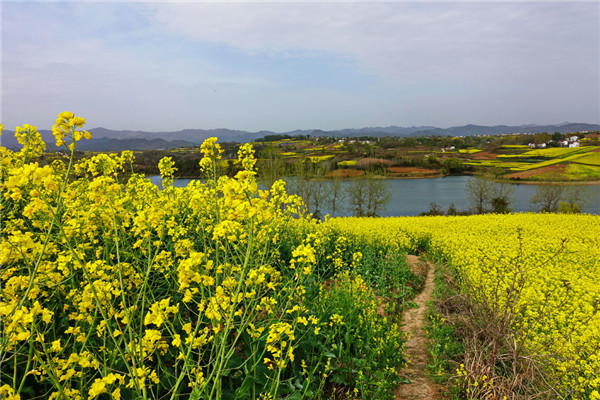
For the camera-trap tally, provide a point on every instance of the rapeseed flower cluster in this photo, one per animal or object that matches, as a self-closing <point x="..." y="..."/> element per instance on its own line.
<point x="114" y="287"/>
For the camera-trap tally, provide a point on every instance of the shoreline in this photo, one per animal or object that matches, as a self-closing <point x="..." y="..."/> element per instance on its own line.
<point x="564" y="183"/>
<point x="381" y="177"/>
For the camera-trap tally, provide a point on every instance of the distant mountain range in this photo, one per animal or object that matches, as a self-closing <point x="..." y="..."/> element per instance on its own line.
<point x="112" y="140"/>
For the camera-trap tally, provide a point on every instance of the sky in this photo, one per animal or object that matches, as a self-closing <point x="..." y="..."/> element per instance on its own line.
<point x="281" y="66"/>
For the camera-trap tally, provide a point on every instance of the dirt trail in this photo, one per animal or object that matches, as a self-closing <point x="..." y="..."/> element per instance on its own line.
<point x="420" y="387"/>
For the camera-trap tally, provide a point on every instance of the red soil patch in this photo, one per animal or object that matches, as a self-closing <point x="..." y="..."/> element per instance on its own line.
<point x="484" y="155"/>
<point x="593" y="136"/>
<point x="345" y="173"/>
<point x="365" y="162"/>
<point x="556" y="169"/>
<point x="411" y="170"/>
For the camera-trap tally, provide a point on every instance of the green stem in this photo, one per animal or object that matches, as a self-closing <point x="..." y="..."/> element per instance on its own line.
<point x="29" y="357"/>
<point x="221" y="358"/>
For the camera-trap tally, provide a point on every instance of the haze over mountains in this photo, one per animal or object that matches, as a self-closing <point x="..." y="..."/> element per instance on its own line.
<point x="113" y="140"/>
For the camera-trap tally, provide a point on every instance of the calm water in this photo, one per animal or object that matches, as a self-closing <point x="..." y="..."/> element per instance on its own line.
<point x="414" y="196"/>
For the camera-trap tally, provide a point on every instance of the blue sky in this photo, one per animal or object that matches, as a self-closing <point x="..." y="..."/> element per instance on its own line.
<point x="282" y="66"/>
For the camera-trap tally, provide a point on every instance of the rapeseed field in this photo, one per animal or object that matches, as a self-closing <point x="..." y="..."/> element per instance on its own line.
<point x="113" y="288"/>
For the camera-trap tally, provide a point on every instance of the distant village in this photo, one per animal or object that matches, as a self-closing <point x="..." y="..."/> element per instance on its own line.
<point x="571" y="141"/>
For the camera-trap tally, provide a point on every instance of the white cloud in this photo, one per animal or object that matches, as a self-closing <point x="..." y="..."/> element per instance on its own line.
<point x="402" y="42"/>
<point x="189" y="64"/>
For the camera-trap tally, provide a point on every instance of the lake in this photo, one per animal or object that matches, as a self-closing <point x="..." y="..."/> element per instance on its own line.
<point x="414" y="196"/>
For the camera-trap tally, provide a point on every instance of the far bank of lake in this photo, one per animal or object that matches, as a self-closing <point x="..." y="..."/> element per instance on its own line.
<point x="414" y="196"/>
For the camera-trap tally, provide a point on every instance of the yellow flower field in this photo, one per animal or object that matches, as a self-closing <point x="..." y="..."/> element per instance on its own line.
<point x="469" y="151"/>
<point x="556" y="256"/>
<point x="113" y="288"/>
<point x="591" y="158"/>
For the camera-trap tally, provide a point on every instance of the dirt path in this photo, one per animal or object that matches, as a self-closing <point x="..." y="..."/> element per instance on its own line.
<point x="420" y="386"/>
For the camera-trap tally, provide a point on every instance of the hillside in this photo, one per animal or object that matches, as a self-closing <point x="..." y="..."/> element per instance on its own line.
<point x="115" y="140"/>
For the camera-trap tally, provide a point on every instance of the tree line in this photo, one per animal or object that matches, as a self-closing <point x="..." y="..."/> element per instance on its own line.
<point x="366" y="196"/>
<point x="488" y="196"/>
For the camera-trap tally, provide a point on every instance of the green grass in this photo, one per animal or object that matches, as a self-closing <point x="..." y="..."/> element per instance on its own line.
<point x="445" y="347"/>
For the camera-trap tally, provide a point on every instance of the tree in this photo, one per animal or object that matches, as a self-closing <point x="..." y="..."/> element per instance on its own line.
<point x="547" y="197"/>
<point x="368" y="197"/>
<point x="432" y="161"/>
<point x="486" y="195"/>
<point x="542" y="137"/>
<point x="501" y="197"/>
<point x="271" y="165"/>
<point x="566" y="208"/>
<point x="299" y="184"/>
<point x="320" y="193"/>
<point x="308" y="183"/>
<point x="573" y="198"/>
<point x="480" y="193"/>
<point x="558" y="198"/>
<point x="451" y="209"/>
<point x="357" y="197"/>
<point x="576" y="196"/>
<point x="454" y="165"/>
<point x="337" y="194"/>
<point x="556" y="136"/>
<point x="378" y="195"/>
<point x="434" y="209"/>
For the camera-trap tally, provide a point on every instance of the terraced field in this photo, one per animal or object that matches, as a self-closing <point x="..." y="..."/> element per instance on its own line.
<point x="553" y="164"/>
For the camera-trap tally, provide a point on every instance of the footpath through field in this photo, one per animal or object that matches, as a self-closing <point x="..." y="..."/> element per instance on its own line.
<point x="420" y="387"/>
